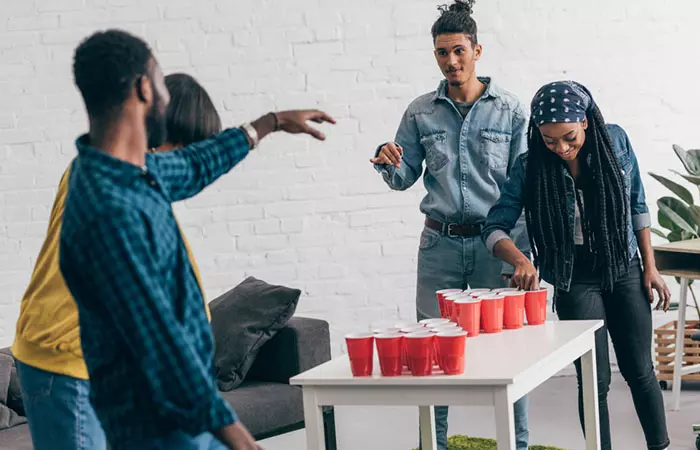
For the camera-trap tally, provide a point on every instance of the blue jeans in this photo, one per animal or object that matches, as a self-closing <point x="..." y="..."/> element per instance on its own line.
<point x="180" y="441"/>
<point x="461" y="263"/>
<point x="58" y="410"/>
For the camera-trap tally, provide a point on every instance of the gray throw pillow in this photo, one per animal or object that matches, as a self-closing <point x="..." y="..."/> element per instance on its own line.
<point x="242" y="320"/>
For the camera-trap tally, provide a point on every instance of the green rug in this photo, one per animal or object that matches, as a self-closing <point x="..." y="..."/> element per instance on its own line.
<point x="471" y="443"/>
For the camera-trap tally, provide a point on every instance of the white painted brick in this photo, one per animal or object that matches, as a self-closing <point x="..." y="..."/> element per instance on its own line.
<point x="289" y="209"/>
<point x="14" y="214"/>
<point x="37" y="23"/>
<point x="281" y="257"/>
<point x="18" y="136"/>
<point x="318" y="50"/>
<point x="58" y="5"/>
<point x="314" y="192"/>
<point x="238" y="213"/>
<point x="85" y="18"/>
<point x="292" y="226"/>
<point x="314" y="254"/>
<point x="262" y="243"/>
<point x="267" y="226"/>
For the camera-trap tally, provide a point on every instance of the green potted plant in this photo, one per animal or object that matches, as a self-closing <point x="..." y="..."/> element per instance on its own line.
<point x="679" y="216"/>
<point x="459" y="442"/>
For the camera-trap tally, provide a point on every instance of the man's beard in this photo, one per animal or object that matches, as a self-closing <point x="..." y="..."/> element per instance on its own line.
<point x="156" y="125"/>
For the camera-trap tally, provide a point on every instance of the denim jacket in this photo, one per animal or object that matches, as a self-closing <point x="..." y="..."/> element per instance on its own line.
<point x="503" y="216"/>
<point x="467" y="160"/>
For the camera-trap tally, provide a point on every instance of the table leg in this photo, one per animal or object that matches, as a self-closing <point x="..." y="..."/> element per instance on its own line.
<point x="680" y="338"/>
<point x="313" y="421"/>
<point x="589" y="380"/>
<point x="426" y="417"/>
<point x="505" y="423"/>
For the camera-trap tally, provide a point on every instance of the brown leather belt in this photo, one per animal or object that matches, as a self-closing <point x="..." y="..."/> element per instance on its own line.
<point x="454" y="229"/>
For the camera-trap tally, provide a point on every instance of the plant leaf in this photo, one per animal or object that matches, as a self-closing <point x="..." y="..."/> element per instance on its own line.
<point x="658" y="232"/>
<point x="693" y="179"/>
<point x="689" y="159"/>
<point x="675" y="236"/>
<point x="665" y="222"/>
<point x="678" y="213"/>
<point x="695" y="214"/>
<point x="674" y="187"/>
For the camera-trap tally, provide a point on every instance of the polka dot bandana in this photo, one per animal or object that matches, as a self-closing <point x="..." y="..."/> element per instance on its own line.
<point x="560" y="101"/>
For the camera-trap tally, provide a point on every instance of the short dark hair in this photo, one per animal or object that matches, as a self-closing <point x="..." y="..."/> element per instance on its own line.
<point x="191" y="115"/>
<point x="456" y="18"/>
<point x="105" y="67"/>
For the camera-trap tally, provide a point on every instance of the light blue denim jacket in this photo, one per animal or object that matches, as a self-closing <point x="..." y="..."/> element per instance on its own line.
<point x="467" y="160"/>
<point x="506" y="212"/>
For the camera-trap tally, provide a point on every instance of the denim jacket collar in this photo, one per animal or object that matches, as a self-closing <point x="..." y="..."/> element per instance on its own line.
<point x="491" y="90"/>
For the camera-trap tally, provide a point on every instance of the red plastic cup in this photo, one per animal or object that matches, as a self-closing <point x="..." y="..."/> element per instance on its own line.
<point x="441" y="299"/>
<point x="390" y="330"/>
<point x="412" y="328"/>
<point x="492" y="313"/>
<point x="469" y="315"/>
<point x="443" y="326"/>
<point x="504" y="290"/>
<point x="479" y="291"/>
<point x="514" y="309"/>
<point x="390" y="349"/>
<point x="432" y="322"/>
<point x="420" y="349"/>
<point x="449" y="305"/>
<point x="361" y="353"/>
<point x="536" y="306"/>
<point x="451" y="345"/>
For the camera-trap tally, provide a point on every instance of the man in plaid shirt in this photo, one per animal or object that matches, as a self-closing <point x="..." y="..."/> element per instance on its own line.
<point x="145" y="336"/>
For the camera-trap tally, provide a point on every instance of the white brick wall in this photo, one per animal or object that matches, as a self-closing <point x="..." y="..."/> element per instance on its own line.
<point x="297" y="212"/>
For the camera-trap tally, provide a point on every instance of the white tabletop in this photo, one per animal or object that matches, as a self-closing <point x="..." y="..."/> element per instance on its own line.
<point x="491" y="359"/>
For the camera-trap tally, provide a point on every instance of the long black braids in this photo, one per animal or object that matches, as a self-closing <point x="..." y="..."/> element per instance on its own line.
<point x="606" y="214"/>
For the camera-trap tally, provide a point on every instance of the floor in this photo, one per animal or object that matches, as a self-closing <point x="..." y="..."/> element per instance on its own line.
<point x="396" y="428"/>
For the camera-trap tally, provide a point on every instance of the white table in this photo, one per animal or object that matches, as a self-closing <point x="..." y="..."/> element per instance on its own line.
<point x="500" y="369"/>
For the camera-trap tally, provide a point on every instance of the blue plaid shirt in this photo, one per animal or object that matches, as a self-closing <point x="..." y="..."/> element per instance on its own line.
<point x="146" y="339"/>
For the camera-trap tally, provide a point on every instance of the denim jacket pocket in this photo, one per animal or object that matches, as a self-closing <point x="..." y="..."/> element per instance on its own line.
<point x="435" y="145"/>
<point x="494" y="148"/>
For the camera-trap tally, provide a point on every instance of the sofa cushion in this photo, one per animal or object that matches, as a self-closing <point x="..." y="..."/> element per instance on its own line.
<point x="267" y="408"/>
<point x="242" y="320"/>
<point x="16" y="438"/>
<point x="8" y="417"/>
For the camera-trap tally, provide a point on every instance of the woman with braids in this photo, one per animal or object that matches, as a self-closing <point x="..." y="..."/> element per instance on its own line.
<point x="588" y="224"/>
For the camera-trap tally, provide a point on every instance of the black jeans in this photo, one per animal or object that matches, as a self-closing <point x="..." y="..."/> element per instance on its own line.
<point x="627" y="316"/>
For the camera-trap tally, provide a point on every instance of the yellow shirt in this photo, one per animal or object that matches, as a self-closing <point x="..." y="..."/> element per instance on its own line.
<point x="48" y="333"/>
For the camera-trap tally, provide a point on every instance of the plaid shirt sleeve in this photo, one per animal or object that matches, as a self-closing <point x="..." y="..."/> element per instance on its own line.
<point x="185" y="172"/>
<point x="129" y="287"/>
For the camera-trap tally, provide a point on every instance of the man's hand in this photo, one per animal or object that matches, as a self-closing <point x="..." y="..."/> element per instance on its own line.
<point x="525" y="276"/>
<point x="652" y="282"/>
<point x="390" y="153"/>
<point x="237" y="437"/>
<point x="293" y="122"/>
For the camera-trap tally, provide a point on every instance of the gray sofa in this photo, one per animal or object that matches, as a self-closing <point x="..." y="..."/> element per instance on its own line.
<point x="265" y="402"/>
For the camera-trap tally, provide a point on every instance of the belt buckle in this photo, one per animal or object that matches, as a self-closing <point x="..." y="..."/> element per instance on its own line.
<point x="449" y="232"/>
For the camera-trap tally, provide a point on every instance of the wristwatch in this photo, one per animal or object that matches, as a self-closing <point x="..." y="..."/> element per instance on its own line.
<point x="252" y="134"/>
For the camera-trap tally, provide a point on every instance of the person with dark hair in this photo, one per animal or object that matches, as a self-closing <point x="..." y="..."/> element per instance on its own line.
<point x="469" y="132"/>
<point x="191" y="115"/>
<point x="146" y="341"/>
<point x="588" y="223"/>
<point x="47" y="342"/>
